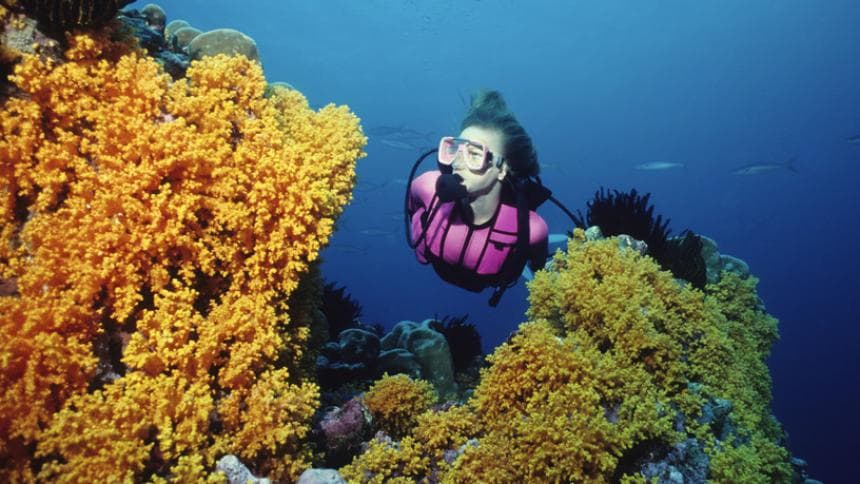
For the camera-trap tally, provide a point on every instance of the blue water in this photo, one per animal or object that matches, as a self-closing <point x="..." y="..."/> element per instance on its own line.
<point x="602" y="86"/>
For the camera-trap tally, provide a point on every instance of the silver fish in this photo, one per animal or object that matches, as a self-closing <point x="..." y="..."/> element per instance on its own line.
<point x="384" y="130"/>
<point x="372" y="232"/>
<point x="397" y="144"/>
<point x="368" y="186"/>
<point x="854" y="140"/>
<point x="759" y="168"/>
<point x="552" y="167"/>
<point x="348" y="249"/>
<point x="397" y="132"/>
<point x="658" y="166"/>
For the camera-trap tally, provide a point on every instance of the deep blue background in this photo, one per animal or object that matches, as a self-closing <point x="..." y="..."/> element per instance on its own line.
<point x="601" y="86"/>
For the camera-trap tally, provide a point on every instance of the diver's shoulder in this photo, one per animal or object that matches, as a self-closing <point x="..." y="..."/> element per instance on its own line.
<point x="425" y="184"/>
<point x="538" y="229"/>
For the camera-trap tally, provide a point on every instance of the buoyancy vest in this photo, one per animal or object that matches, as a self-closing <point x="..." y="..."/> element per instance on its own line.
<point x="471" y="256"/>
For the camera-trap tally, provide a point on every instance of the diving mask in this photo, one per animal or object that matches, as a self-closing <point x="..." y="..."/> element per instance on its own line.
<point x="476" y="155"/>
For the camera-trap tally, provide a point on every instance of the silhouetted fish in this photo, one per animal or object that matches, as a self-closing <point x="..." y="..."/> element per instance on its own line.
<point x="68" y="14"/>
<point x="855" y="140"/>
<point x="348" y="249"/>
<point x="384" y="130"/>
<point x="400" y="145"/>
<point x="759" y="168"/>
<point x="400" y="132"/>
<point x="373" y="232"/>
<point x="658" y="166"/>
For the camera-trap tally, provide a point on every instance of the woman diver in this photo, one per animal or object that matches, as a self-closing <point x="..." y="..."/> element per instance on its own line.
<point x="474" y="218"/>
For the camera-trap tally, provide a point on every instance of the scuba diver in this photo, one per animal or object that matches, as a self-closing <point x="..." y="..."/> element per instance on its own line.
<point x="474" y="218"/>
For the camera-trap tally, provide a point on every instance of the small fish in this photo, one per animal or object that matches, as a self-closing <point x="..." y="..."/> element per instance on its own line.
<point x="400" y="145"/>
<point x="552" y="167"/>
<point x="348" y="249"/>
<point x="369" y="186"/>
<point x="658" y="166"/>
<point x="398" y="132"/>
<point x="373" y="232"/>
<point x="759" y="168"/>
<point x="385" y="130"/>
<point x="854" y="140"/>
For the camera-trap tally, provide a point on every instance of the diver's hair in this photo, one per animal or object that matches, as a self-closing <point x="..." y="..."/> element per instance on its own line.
<point x="489" y="110"/>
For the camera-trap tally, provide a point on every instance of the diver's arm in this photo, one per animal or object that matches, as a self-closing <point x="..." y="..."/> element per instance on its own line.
<point x="538" y="254"/>
<point x="421" y="192"/>
<point x="538" y="242"/>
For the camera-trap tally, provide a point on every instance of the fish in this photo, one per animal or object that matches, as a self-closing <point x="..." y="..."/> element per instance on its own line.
<point x="348" y="249"/>
<point x="398" y="132"/>
<point x="658" y="166"/>
<point x="400" y="145"/>
<point x="384" y="130"/>
<point x="368" y="186"/>
<point x="759" y="168"/>
<point x="854" y="140"/>
<point x="552" y="166"/>
<point x="373" y="232"/>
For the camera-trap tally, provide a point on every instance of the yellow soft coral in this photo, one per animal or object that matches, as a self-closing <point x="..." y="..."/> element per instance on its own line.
<point x="628" y="345"/>
<point x="396" y="402"/>
<point x="617" y="362"/>
<point x="541" y="403"/>
<point x="173" y="220"/>
<point x="386" y="461"/>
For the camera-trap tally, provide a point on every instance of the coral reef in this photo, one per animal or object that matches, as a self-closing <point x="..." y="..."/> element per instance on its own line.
<point x="167" y="223"/>
<point x="342" y="430"/>
<point x="351" y="359"/>
<point x="617" y="213"/>
<point x="155" y="17"/>
<point x="463" y="340"/>
<point x="68" y="14"/>
<point x="396" y="401"/>
<point x="340" y="309"/>
<point x="222" y="41"/>
<point x="430" y="349"/>
<point x="684" y="259"/>
<point x="173" y="26"/>
<point x="621" y="374"/>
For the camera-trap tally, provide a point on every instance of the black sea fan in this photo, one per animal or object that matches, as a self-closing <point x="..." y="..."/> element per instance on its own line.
<point x="619" y="213"/>
<point x="684" y="258"/>
<point x="463" y="340"/>
<point x="60" y="15"/>
<point x="340" y="309"/>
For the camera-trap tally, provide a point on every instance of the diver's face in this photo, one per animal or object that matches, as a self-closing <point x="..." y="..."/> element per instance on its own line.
<point x="480" y="181"/>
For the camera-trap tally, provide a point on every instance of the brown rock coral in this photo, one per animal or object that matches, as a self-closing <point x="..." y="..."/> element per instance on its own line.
<point x="152" y="233"/>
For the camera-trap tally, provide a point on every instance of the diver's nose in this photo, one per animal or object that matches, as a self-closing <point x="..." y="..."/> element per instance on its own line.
<point x="459" y="161"/>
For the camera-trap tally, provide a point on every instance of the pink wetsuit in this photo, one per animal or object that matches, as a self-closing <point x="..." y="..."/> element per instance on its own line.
<point x="471" y="256"/>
